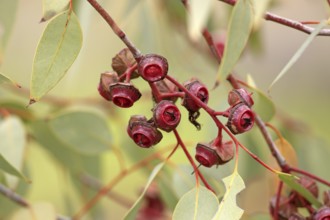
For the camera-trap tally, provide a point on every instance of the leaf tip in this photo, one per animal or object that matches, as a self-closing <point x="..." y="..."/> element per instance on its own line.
<point x="216" y="84"/>
<point x="31" y="101"/>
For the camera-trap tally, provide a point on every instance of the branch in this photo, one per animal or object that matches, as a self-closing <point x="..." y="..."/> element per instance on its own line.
<point x="287" y="22"/>
<point x="10" y="194"/>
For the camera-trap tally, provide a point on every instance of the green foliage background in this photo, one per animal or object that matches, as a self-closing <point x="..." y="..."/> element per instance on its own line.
<point x="301" y="97"/>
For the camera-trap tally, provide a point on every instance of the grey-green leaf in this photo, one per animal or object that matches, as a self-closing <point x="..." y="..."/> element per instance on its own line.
<point x="50" y="8"/>
<point x="291" y="181"/>
<point x="7" y="19"/>
<point x="12" y="148"/>
<point x="228" y="208"/>
<point x="85" y="132"/>
<point x="263" y="105"/>
<point x="131" y="214"/>
<point x="197" y="204"/>
<point x="199" y="13"/>
<point x="6" y="79"/>
<point x="240" y="26"/>
<point x="58" y="48"/>
<point x="299" y="52"/>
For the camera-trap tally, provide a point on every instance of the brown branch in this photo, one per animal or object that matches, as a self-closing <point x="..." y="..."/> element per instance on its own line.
<point x="287" y="22"/>
<point x="19" y="200"/>
<point x="96" y="185"/>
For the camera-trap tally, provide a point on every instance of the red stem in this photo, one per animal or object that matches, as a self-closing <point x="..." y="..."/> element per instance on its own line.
<point x="305" y="173"/>
<point x="191" y="160"/>
<point x="278" y="199"/>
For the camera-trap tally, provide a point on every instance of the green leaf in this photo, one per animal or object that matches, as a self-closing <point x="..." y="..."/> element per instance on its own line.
<point x="182" y="180"/>
<point x="228" y="208"/>
<point x="67" y="157"/>
<point x="57" y="50"/>
<point x="50" y="8"/>
<point x="198" y="203"/>
<point x="260" y="8"/>
<point x="240" y="26"/>
<point x="7" y="19"/>
<point x="299" y="52"/>
<point x="131" y="214"/>
<point x="199" y="13"/>
<point x="263" y="105"/>
<point x="291" y="181"/>
<point x="85" y="132"/>
<point x="12" y="147"/>
<point x="6" y="79"/>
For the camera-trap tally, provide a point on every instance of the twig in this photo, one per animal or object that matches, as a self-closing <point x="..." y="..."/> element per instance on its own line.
<point x="96" y="185"/>
<point x="287" y="22"/>
<point x="13" y="196"/>
<point x="10" y="194"/>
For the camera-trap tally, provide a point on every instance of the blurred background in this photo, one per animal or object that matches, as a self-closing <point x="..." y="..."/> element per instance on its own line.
<point x="301" y="97"/>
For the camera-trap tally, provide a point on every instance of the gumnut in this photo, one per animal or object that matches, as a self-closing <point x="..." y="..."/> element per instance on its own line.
<point x="166" y="86"/>
<point x="237" y="96"/>
<point x="197" y="89"/>
<point x="214" y="154"/>
<point x="206" y="155"/>
<point x="153" y="67"/>
<point x="296" y="216"/>
<point x="106" y="79"/>
<point x="124" y="94"/>
<point x="122" y="61"/>
<point x="285" y="209"/>
<point x="241" y="119"/>
<point x="308" y="184"/>
<point x="166" y="115"/>
<point x="322" y="214"/>
<point x="143" y="133"/>
<point x="326" y="198"/>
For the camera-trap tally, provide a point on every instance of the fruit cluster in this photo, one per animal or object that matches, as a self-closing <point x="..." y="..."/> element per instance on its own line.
<point x="289" y="206"/>
<point x="116" y="86"/>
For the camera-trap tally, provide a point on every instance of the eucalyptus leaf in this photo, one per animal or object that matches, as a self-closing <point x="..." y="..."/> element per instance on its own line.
<point x="50" y="8"/>
<point x="85" y="132"/>
<point x="58" y="48"/>
<point x="263" y="105"/>
<point x="12" y="148"/>
<point x="199" y="13"/>
<point x="65" y="155"/>
<point x="7" y="19"/>
<point x="131" y="214"/>
<point x="5" y="79"/>
<point x="197" y="204"/>
<point x="291" y="181"/>
<point x="228" y="208"/>
<point x="299" y="52"/>
<point x="239" y="28"/>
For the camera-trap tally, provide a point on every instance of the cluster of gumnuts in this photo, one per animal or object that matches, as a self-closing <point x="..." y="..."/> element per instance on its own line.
<point x="291" y="205"/>
<point x="116" y="86"/>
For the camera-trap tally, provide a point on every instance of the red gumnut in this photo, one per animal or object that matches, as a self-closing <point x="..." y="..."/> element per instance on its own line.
<point x="206" y="155"/>
<point x="285" y="210"/>
<point x="237" y="96"/>
<point x="153" y="67"/>
<point x="241" y="119"/>
<point x="124" y="94"/>
<point x="308" y="184"/>
<point x="322" y="214"/>
<point x="144" y="134"/>
<point x="197" y="89"/>
<point x="326" y="198"/>
<point x="166" y="115"/>
<point x="106" y="79"/>
<point x="225" y="152"/>
<point x="166" y="86"/>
